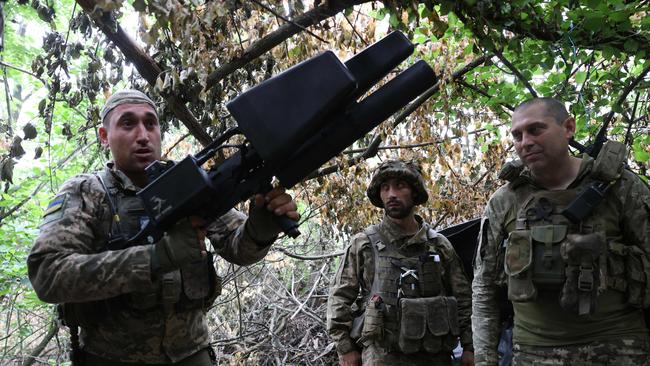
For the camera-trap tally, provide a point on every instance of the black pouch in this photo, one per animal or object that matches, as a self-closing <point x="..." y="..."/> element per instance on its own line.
<point x="83" y="314"/>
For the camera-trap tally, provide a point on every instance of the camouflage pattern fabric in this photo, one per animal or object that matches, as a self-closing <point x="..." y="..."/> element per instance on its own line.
<point x="617" y="352"/>
<point x="69" y="263"/>
<point x="377" y="356"/>
<point x="356" y="273"/>
<point x="627" y="203"/>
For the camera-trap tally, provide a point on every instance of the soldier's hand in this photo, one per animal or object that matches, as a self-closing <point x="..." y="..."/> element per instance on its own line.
<point x="352" y="358"/>
<point x="467" y="359"/>
<point x="183" y="244"/>
<point x="261" y="225"/>
<point x="278" y="202"/>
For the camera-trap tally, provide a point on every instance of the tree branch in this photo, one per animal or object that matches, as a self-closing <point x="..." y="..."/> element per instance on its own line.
<point x="278" y="36"/>
<point x="309" y="257"/>
<point x="145" y="65"/>
<point x="54" y="328"/>
<point x="626" y="91"/>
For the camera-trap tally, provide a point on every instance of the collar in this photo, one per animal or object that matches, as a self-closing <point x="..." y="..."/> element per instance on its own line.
<point x="396" y="235"/>
<point x="586" y="166"/>
<point x="120" y="179"/>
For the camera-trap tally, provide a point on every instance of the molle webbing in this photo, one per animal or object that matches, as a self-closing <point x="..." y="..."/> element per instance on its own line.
<point x="391" y="264"/>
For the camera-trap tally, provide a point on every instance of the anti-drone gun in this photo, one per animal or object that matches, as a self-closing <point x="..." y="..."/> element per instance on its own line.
<point x="293" y="123"/>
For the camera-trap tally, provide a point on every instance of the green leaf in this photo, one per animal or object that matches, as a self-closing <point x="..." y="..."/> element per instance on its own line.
<point x="631" y="45"/>
<point x="420" y="38"/>
<point x="619" y="16"/>
<point x="581" y="76"/>
<point x="379" y="14"/>
<point x="640" y="154"/>
<point x="593" y="3"/>
<point x="594" y="22"/>
<point x="393" y="21"/>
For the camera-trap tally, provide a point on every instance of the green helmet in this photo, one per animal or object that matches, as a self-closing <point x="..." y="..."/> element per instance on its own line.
<point x="407" y="171"/>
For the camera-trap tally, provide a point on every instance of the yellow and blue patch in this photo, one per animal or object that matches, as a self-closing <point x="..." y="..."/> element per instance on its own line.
<point x="56" y="205"/>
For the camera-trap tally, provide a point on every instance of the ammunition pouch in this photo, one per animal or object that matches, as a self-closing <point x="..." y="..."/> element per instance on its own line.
<point x="428" y="324"/>
<point x="582" y="254"/>
<point x="430" y="279"/>
<point x="372" y="326"/>
<point x="637" y="269"/>
<point x="173" y="295"/>
<point x="518" y="259"/>
<point x="629" y="269"/>
<point x="533" y="261"/>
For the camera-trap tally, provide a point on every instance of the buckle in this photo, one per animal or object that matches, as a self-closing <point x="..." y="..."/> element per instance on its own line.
<point x="586" y="278"/>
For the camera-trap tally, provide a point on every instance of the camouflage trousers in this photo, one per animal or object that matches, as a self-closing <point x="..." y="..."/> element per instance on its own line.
<point x="378" y="356"/>
<point x="201" y="358"/>
<point x="618" y="352"/>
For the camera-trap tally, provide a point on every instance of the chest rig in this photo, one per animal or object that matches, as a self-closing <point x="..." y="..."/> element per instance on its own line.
<point x="406" y="307"/>
<point x="186" y="289"/>
<point x="559" y="244"/>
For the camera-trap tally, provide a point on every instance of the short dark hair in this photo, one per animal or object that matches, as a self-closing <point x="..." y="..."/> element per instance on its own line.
<point x="553" y="106"/>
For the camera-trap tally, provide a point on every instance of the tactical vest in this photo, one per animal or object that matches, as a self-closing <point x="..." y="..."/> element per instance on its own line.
<point x="541" y="254"/>
<point x="407" y="307"/>
<point x="190" y="288"/>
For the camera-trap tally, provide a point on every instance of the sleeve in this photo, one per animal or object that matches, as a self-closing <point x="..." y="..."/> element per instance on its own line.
<point x="342" y="294"/>
<point x="636" y="213"/>
<point x="457" y="281"/>
<point x="232" y="241"/>
<point x="65" y="263"/>
<point x="485" y="305"/>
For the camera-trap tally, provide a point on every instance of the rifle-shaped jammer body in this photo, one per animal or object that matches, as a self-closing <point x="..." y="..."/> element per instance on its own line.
<point x="293" y="123"/>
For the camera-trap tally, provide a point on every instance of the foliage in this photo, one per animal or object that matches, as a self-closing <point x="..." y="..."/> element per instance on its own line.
<point x="58" y="67"/>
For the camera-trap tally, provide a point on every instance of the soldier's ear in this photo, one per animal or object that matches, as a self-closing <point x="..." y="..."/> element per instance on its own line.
<point x="570" y="127"/>
<point x="103" y="136"/>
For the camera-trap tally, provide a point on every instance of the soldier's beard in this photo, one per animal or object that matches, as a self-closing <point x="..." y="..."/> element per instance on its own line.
<point x="399" y="211"/>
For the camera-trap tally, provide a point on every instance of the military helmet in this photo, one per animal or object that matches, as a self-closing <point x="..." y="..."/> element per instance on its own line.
<point x="407" y="171"/>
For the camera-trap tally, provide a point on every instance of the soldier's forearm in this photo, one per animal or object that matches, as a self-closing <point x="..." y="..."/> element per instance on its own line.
<point x="59" y="278"/>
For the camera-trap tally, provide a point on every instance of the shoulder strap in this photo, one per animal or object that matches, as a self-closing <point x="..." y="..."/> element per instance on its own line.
<point x="607" y="170"/>
<point x="115" y="232"/>
<point x="375" y="238"/>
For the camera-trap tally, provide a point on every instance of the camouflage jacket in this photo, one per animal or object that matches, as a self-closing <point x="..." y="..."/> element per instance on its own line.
<point x="356" y="272"/>
<point x="69" y="263"/>
<point x="629" y="198"/>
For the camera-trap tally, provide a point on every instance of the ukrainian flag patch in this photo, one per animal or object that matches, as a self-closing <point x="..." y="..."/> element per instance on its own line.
<point x="56" y="205"/>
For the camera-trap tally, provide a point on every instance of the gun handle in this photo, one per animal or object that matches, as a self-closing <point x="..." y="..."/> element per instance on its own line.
<point x="288" y="226"/>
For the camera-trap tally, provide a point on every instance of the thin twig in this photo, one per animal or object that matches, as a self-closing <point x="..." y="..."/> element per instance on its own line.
<point x="289" y="21"/>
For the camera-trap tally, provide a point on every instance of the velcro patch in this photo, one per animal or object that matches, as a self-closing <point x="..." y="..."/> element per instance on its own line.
<point x="57" y="204"/>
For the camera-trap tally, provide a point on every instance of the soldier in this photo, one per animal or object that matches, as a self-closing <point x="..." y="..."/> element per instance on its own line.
<point x="577" y="276"/>
<point x="401" y="296"/>
<point x="144" y="304"/>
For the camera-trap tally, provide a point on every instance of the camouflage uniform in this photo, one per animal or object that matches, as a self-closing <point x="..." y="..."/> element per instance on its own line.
<point x="69" y="263"/>
<point x="355" y="277"/>
<point x="544" y="332"/>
